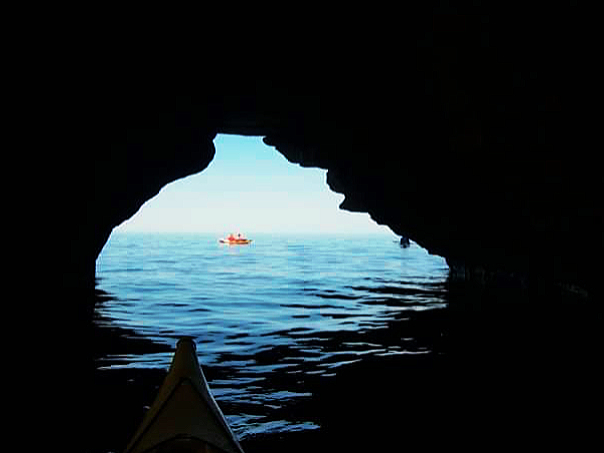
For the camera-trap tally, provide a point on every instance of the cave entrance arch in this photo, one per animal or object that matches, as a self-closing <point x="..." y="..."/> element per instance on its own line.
<point x="250" y="187"/>
<point x="318" y="328"/>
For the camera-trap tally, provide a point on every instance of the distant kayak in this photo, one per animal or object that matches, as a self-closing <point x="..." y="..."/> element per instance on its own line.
<point x="235" y="241"/>
<point x="184" y="416"/>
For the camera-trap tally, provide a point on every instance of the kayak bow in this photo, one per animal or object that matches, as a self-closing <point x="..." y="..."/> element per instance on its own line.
<point x="184" y="416"/>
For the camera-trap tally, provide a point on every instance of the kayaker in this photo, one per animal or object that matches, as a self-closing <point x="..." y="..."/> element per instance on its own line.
<point x="231" y="237"/>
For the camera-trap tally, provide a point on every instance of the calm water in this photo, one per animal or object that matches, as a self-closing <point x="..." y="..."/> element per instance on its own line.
<point x="273" y="320"/>
<point x="316" y="343"/>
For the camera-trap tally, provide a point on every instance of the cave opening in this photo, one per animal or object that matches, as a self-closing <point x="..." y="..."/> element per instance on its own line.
<point x="320" y="295"/>
<point x="290" y="327"/>
<point x="250" y="187"/>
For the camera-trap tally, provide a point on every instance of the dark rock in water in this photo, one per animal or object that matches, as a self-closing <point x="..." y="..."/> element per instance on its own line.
<point x="405" y="242"/>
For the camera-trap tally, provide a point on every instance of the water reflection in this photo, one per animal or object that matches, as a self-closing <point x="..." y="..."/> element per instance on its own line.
<point x="425" y="369"/>
<point x="267" y="380"/>
<point x="305" y="357"/>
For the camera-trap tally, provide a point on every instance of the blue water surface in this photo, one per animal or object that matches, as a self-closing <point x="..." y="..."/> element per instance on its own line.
<point x="270" y="317"/>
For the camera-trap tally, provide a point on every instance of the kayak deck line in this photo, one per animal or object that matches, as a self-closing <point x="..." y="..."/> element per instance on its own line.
<point x="184" y="416"/>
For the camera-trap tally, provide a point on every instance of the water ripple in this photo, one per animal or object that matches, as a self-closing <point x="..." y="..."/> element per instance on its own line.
<point x="271" y="318"/>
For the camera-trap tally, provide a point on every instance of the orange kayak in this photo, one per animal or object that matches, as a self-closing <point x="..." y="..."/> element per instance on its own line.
<point x="235" y="241"/>
<point x="184" y="416"/>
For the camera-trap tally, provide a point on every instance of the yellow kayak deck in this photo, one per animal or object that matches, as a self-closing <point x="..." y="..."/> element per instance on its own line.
<point x="184" y="417"/>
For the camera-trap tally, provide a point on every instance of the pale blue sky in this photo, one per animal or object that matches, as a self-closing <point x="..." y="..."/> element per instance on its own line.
<point x="250" y="187"/>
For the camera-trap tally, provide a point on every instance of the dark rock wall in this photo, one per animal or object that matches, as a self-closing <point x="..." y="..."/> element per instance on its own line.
<point x="146" y="145"/>
<point x="462" y="132"/>
<point x="473" y="134"/>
